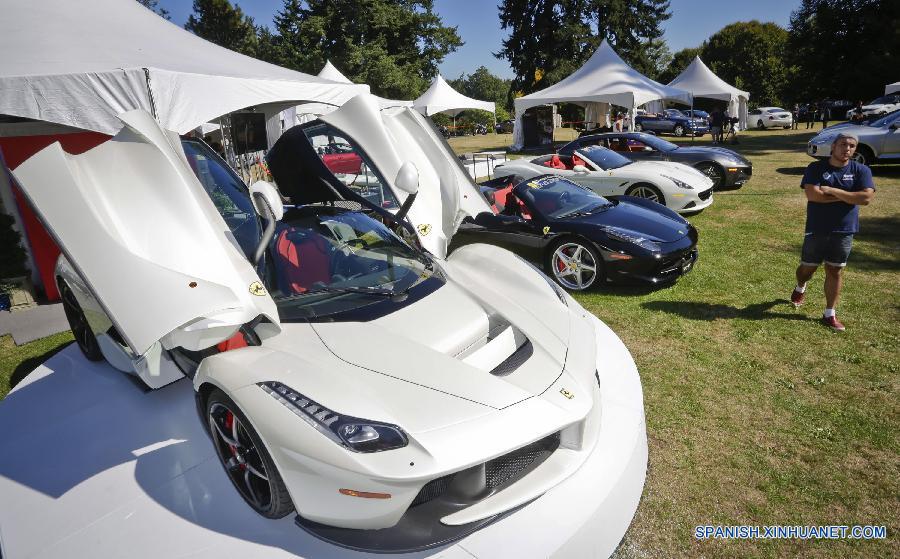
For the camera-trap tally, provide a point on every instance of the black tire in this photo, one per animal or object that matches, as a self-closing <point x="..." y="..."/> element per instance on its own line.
<point x="863" y="155"/>
<point x="760" y="125"/>
<point x="638" y="127"/>
<point x="678" y="130"/>
<point x="713" y="171"/>
<point x="581" y="277"/>
<point x="247" y="463"/>
<point x="646" y="190"/>
<point x="84" y="336"/>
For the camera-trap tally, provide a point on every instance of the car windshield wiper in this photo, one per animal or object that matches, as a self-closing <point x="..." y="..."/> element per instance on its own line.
<point x="354" y="289"/>
<point x="603" y="206"/>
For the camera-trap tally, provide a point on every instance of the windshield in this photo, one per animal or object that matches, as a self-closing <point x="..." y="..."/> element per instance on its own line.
<point x="228" y="193"/>
<point x="674" y="112"/>
<point x="657" y="143"/>
<point x="604" y="158"/>
<point x="557" y="198"/>
<point x="777" y="110"/>
<point x="886" y="100"/>
<point x="886" y="120"/>
<point x="326" y="260"/>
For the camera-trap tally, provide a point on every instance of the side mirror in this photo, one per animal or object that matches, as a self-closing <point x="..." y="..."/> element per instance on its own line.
<point x="270" y="194"/>
<point x="408" y="178"/>
<point x="580" y="169"/>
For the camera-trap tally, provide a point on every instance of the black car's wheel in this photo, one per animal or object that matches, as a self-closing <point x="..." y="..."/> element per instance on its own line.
<point x="760" y="125"/>
<point x="638" y="127"/>
<point x="84" y="336"/>
<point x="574" y="264"/>
<point x="648" y="191"/>
<point x="245" y="459"/>
<point x="714" y="172"/>
<point x="678" y="130"/>
<point x="863" y="155"/>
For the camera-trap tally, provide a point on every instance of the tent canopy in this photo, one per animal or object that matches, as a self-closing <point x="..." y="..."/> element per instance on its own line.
<point x="82" y="63"/>
<point x="441" y="98"/>
<point x="892" y="88"/>
<point x="702" y="82"/>
<point x="604" y="78"/>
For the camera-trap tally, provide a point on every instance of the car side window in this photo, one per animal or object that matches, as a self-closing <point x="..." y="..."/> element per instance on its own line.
<point x="351" y="165"/>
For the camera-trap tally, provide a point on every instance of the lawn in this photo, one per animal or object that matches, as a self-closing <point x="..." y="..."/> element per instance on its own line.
<point x="756" y="414"/>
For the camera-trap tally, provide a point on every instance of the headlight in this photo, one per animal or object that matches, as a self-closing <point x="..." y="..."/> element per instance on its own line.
<point x="353" y="433"/>
<point x="678" y="183"/>
<point x="626" y="237"/>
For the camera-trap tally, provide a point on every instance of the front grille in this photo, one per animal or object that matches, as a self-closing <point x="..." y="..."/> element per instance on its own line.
<point x="675" y="264"/>
<point x="705" y="194"/>
<point x="514" y="361"/>
<point x="433" y="489"/>
<point x="517" y="463"/>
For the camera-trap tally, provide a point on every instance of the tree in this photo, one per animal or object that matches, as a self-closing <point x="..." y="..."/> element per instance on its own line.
<point x="680" y="60"/>
<point x="750" y="56"/>
<point x="485" y="86"/>
<point x="219" y="22"/>
<point x="393" y="45"/>
<point x="842" y="48"/>
<point x="153" y="5"/>
<point x="550" y="39"/>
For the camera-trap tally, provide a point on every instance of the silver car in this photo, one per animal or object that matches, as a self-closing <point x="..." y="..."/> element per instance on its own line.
<point x="879" y="141"/>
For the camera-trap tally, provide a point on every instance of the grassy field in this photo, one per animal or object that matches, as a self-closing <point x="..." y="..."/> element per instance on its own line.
<point x="756" y="414"/>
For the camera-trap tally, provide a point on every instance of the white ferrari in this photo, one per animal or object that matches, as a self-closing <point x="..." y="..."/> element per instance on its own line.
<point x="674" y="185"/>
<point x="395" y="398"/>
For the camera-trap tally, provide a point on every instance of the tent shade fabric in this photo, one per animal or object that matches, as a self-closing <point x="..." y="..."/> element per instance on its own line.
<point x="90" y="61"/>
<point x="604" y="78"/>
<point x="441" y="98"/>
<point x="892" y="88"/>
<point x="702" y="82"/>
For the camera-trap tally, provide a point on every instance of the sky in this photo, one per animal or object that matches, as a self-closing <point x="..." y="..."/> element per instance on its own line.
<point x="478" y="24"/>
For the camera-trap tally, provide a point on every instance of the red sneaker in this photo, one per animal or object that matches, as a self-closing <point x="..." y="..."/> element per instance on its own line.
<point x="833" y="323"/>
<point x="797" y="298"/>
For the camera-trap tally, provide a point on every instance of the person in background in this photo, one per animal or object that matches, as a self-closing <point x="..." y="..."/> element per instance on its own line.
<point x="795" y="116"/>
<point x="811" y="114"/>
<point x="857" y="114"/>
<point x="835" y="188"/>
<point x="825" y="112"/>
<point x="715" y="125"/>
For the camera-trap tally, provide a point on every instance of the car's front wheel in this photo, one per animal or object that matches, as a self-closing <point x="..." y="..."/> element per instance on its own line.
<point x="863" y="155"/>
<point x="760" y="124"/>
<point x="84" y="336"/>
<point x="638" y="127"/>
<point x="575" y="264"/>
<point x="714" y="172"/>
<point x="648" y="191"/>
<point x="678" y="130"/>
<point x="245" y="459"/>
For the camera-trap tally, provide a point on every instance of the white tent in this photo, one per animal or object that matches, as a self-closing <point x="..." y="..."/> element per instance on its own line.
<point x="441" y="98"/>
<point x="702" y="82"/>
<point x="310" y="111"/>
<point x="604" y="79"/>
<point x="892" y="88"/>
<point x="82" y="63"/>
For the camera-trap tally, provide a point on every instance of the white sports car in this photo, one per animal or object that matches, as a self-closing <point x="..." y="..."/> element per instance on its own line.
<point x="674" y="185"/>
<point x="394" y="398"/>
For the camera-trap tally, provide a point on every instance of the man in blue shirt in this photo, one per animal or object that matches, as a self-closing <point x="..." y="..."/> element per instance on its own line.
<point x="835" y="189"/>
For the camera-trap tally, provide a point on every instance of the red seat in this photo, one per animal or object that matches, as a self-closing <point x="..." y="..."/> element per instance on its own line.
<point x="304" y="262"/>
<point x="555" y="163"/>
<point x="577" y="161"/>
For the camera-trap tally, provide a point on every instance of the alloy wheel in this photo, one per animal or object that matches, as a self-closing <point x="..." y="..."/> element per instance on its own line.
<point x="644" y="191"/>
<point x="238" y="453"/>
<point x="574" y="266"/>
<point x="679" y="130"/>
<point x="714" y="172"/>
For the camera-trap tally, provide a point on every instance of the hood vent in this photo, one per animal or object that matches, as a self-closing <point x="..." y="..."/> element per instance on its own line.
<point x="514" y="361"/>
<point x="505" y="350"/>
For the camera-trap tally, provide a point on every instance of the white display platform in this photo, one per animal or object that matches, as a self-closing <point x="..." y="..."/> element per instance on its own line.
<point x="92" y="466"/>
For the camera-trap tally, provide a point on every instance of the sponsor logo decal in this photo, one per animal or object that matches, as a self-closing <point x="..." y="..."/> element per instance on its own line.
<point x="256" y="288"/>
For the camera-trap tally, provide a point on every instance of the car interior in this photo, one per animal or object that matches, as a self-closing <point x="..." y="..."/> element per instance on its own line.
<point x="561" y="162"/>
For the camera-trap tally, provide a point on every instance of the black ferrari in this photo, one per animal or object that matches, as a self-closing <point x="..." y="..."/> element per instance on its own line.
<point x="727" y="169"/>
<point x="581" y="238"/>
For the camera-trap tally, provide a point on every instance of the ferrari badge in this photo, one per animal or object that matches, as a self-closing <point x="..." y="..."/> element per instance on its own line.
<point x="546" y="230"/>
<point x="566" y="393"/>
<point x="256" y="288"/>
<point x="424" y="229"/>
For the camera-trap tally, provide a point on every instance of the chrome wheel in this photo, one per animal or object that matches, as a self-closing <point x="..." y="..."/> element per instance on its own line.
<point x="81" y="330"/>
<point x="574" y="266"/>
<point x="679" y="130"/>
<point x="646" y="191"/>
<point x="638" y="128"/>
<point x="246" y="462"/>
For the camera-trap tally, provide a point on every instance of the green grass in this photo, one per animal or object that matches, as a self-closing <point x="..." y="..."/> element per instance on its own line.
<point x="756" y="414"/>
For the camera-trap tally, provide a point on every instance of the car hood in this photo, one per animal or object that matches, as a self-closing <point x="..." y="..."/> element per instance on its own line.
<point x="645" y="221"/>
<point x="457" y="344"/>
<point x="705" y="151"/>
<point x="827" y="136"/>
<point x="679" y="171"/>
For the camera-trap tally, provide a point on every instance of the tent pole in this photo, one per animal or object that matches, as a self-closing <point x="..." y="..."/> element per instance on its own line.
<point x="150" y="94"/>
<point x="692" y="115"/>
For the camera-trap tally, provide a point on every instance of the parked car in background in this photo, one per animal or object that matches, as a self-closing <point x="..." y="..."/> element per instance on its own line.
<point x="505" y="126"/>
<point x="725" y="167"/>
<point x="879" y="141"/>
<point x="770" y="117"/>
<point x="697" y="113"/>
<point x="581" y="238"/>
<point x="671" y="121"/>
<point x="880" y="106"/>
<point x="837" y="108"/>
<point x="679" y="187"/>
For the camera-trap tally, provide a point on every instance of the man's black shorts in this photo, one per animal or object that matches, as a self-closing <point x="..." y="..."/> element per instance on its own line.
<point x="832" y="248"/>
